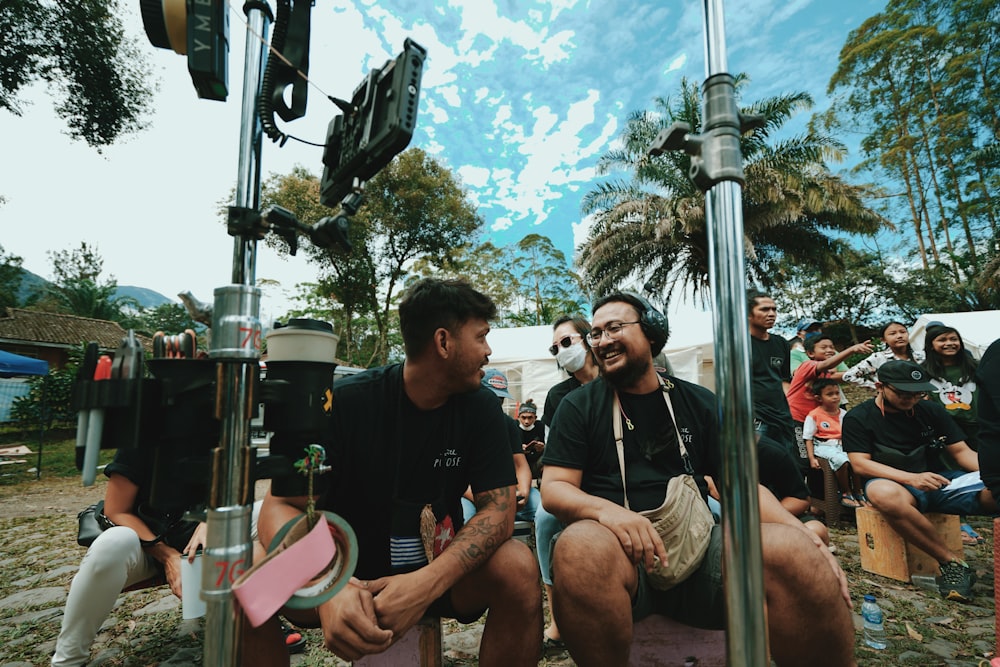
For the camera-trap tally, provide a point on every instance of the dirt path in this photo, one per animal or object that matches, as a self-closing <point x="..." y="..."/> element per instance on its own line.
<point x="49" y="495"/>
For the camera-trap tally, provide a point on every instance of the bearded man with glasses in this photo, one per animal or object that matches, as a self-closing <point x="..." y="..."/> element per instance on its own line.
<point x="895" y="441"/>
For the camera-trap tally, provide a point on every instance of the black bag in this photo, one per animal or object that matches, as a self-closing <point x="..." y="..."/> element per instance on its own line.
<point x="913" y="461"/>
<point x="89" y="527"/>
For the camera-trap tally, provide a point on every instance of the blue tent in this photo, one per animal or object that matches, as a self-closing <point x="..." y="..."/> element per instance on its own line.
<point x="14" y="364"/>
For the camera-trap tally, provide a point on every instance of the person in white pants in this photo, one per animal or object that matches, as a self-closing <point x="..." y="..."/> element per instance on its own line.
<point x="123" y="555"/>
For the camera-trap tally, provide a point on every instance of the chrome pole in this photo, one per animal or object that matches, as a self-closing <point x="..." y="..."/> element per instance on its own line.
<point x="235" y="346"/>
<point x="746" y="636"/>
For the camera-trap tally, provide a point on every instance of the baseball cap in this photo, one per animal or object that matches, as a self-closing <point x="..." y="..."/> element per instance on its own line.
<point x="496" y="381"/>
<point x="807" y="323"/>
<point x="904" y="375"/>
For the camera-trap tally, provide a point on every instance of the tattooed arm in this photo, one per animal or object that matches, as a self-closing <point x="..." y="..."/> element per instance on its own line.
<point x="402" y="599"/>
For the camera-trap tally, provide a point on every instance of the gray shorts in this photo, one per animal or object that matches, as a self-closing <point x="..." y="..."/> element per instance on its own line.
<point x="699" y="600"/>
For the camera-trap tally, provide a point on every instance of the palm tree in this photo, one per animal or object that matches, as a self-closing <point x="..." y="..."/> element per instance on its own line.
<point x="651" y="228"/>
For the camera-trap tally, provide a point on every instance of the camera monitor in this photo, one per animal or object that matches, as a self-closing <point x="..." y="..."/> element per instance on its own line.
<point x="377" y="124"/>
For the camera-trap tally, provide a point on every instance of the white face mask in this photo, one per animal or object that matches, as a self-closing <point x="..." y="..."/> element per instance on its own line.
<point x="572" y="358"/>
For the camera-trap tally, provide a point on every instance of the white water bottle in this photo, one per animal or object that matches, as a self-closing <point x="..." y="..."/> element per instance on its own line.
<point x="874" y="627"/>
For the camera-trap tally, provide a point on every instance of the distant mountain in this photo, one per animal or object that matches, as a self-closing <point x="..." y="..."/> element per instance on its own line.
<point x="147" y="298"/>
<point x="32" y="283"/>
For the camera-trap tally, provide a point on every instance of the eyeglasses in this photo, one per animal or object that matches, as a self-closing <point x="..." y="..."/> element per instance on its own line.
<point x="613" y="330"/>
<point x="565" y="341"/>
<point x="906" y="394"/>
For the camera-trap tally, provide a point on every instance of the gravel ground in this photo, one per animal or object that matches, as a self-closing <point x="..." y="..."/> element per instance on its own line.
<point x="38" y="557"/>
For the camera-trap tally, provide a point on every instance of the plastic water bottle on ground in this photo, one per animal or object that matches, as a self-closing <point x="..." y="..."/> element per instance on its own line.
<point x="874" y="626"/>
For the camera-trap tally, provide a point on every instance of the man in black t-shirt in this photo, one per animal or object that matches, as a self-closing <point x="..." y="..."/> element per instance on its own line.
<point x="770" y="373"/>
<point x="896" y="440"/>
<point x="988" y="380"/>
<point x="601" y="559"/>
<point x="408" y="438"/>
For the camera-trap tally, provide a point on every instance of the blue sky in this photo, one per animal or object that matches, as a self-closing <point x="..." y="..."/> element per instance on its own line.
<point x="519" y="99"/>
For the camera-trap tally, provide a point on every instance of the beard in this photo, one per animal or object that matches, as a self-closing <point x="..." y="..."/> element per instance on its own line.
<point x="628" y="373"/>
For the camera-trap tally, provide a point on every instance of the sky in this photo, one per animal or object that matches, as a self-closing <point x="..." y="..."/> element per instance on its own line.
<point x="519" y="99"/>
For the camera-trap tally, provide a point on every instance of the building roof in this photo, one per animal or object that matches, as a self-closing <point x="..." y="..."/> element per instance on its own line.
<point x="32" y="327"/>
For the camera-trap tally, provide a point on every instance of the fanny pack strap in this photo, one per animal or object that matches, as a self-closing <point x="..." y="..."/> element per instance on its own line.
<point x="616" y="423"/>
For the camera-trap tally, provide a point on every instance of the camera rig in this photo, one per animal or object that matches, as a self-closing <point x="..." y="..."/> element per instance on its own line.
<point x="194" y="415"/>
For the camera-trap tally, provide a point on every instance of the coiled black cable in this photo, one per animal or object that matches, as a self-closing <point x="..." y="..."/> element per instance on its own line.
<point x="265" y="100"/>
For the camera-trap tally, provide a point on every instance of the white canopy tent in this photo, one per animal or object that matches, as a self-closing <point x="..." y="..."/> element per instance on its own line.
<point x="978" y="329"/>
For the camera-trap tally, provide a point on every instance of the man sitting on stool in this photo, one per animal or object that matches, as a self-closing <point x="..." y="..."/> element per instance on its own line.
<point x="895" y="441"/>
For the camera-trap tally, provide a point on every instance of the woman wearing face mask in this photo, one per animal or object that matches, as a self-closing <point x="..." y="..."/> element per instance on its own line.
<point x="953" y="373"/>
<point x="569" y="347"/>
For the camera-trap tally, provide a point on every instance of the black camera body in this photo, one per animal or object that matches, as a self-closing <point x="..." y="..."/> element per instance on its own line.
<point x="380" y="125"/>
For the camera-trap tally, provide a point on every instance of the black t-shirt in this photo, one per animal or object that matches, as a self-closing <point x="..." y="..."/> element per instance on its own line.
<point x="136" y="465"/>
<point x="779" y="472"/>
<point x="769" y="368"/>
<point x="581" y="437"/>
<point x="864" y="425"/>
<point x="390" y="458"/>
<point x="555" y="396"/>
<point x="536" y="432"/>
<point x="988" y="381"/>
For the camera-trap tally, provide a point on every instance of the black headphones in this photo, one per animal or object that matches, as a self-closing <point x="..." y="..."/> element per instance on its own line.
<point x="654" y="323"/>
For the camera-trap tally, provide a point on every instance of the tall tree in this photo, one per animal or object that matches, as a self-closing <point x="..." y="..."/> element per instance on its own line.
<point x="414" y="209"/>
<point x="77" y="287"/>
<point x="101" y="78"/>
<point x="10" y="278"/>
<point x="651" y="228"/>
<point x="919" y="79"/>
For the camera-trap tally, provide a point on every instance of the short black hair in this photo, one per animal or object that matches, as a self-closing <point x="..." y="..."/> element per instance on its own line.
<point x="753" y="296"/>
<point x="579" y="323"/>
<point x="809" y="344"/>
<point x="821" y="383"/>
<point x="432" y="303"/>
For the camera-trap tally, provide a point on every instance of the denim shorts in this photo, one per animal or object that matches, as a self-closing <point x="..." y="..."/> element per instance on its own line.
<point x="966" y="502"/>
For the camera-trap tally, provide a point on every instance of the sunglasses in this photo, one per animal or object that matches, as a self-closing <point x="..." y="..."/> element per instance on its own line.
<point x="565" y="341"/>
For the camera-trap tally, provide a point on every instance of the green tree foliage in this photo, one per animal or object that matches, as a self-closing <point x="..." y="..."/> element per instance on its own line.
<point x="530" y="281"/>
<point x="414" y="209"/>
<point x="918" y="81"/>
<point x="10" y="278"/>
<point x="650" y="228"/>
<point x="170" y="318"/>
<point x="101" y="78"/>
<point x="77" y="288"/>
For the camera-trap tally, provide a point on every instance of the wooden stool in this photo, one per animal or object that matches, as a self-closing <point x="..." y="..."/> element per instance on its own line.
<point x="420" y="647"/>
<point x="884" y="552"/>
<point x="658" y="641"/>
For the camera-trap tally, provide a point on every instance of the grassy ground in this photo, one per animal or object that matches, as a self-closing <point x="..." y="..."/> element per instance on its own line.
<point x="38" y="556"/>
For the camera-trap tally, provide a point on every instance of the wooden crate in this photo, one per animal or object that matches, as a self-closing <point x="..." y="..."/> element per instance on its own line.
<point x="884" y="552"/>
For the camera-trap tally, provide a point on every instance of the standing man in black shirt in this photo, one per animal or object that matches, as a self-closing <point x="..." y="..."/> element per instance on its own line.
<point x="405" y="438"/>
<point x="602" y="559"/>
<point x="770" y="372"/>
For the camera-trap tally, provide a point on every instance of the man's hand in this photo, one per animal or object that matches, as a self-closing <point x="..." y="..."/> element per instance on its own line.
<point x="638" y="538"/>
<point x="400" y="601"/>
<point x="928" y="481"/>
<point x="350" y="627"/>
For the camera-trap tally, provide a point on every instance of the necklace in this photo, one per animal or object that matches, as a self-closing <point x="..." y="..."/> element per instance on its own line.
<point x="628" y="422"/>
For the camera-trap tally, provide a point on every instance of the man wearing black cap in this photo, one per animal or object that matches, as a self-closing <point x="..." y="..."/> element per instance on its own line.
<point x="894" y="441"/>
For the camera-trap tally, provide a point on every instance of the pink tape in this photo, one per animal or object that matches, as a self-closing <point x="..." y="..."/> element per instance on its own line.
<point x="267" y="586"/>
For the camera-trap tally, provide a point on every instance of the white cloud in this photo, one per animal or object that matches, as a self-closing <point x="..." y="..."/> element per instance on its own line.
<point x="501" y="224"/>
<point x="474" y="176"/>
<point x="450" y="95"/>
<point x="481" y="94"/>
<point x="676" y="64"/>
